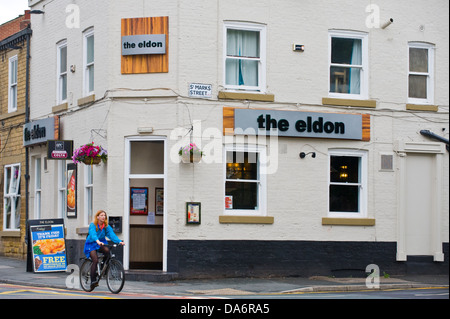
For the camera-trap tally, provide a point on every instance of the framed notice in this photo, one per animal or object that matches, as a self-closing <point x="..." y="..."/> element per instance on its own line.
<point x="48" y="245"/>
<point x="193" y="213"/>
<point x="159" y="201"/>
<point x="71" y="200"/>
<point x="138" y="200"/>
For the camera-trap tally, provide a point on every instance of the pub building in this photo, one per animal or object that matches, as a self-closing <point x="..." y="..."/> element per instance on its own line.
<point x="305" y="134"/>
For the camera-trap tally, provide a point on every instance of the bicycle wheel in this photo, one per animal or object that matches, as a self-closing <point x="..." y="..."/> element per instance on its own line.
<point x="85" y="275"/>
<point x="115" y="276"/>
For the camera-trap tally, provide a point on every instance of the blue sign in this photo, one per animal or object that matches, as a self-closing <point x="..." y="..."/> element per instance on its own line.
<point x="48" y="245"/>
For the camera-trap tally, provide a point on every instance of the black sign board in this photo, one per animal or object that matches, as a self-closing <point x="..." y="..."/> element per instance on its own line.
<point x="59" y="150"/>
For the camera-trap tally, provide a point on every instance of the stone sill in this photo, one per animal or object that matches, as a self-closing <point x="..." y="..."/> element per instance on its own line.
<point x="348" y="221"/>
<point x="60" y="107"/>
<point x="227" y="219"/>
<point x="86" y="99"/>
<point x="246" y="96"/>
<point x="349" y="102"/>
<point x="422" y="107"/>
<point x="10" y="233"/>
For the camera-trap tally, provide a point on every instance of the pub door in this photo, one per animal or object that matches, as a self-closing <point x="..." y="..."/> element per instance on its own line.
<point x="145" y="193"/>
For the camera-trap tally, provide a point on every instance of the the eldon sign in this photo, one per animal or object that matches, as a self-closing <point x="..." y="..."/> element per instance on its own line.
<point x="39" y="131"/>
<point x="298" y="124"/>
<point x="144" y="44"/>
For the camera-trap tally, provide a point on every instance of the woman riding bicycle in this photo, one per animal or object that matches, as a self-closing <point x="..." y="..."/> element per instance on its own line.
<point x="95" y="241"/>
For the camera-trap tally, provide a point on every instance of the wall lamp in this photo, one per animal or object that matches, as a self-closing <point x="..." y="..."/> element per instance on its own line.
<point x="37" y="12"/>
<point x="303" y="154"/>
<point x="388" y="23"/>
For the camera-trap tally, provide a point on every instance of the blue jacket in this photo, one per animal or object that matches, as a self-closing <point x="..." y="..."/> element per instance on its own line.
<point x="100" y="234"/>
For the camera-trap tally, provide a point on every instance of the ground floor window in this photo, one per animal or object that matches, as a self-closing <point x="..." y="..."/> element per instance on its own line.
<point x="347" y="183"/>
<point x="244" y="183"/>
<point x="11" y="197"/>
<point x="88" y="194"/>
<point x="62" y="189"/>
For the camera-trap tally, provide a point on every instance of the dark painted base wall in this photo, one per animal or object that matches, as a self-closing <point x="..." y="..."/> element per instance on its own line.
<point x="236" y="258"/>
<point x="229" y="258"/>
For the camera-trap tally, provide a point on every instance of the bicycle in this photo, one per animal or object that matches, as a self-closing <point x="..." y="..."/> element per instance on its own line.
<point x="112" y="269"/>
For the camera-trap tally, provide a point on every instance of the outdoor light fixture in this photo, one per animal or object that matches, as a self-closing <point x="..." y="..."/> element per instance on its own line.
<point x="37" y="12"/>
<point x="388" y="23"/>
<point x="303" y="154"/>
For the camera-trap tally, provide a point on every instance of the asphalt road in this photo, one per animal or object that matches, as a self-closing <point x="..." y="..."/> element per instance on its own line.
<point x="8" y="291"/>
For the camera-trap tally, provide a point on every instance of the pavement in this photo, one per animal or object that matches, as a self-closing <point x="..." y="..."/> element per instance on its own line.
<point x="13" y="271"/>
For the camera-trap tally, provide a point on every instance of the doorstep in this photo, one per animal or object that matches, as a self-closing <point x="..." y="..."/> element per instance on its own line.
<point x="150" y="275"/>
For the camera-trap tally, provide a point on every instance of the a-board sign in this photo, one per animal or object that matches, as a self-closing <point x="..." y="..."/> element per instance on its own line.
<point x="48" y="245"/>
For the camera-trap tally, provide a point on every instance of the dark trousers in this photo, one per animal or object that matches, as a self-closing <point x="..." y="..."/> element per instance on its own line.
<point x="94" y="257"/>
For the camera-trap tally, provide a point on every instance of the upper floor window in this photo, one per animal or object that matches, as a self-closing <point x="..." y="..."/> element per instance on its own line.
<point x="12" y="84"/>
<point x="88" y="61"/>
<point x="420" y="73"/>
<point x="245" y="51"/>
<point x="348" y="55"/>
<point x="61" y="72"/>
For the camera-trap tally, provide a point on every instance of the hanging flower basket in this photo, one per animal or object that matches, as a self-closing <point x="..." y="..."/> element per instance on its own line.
<point x="90" y="154"/>
<point x="190" y="153"/>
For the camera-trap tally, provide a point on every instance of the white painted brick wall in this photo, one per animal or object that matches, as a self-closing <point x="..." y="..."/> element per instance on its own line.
<point x="297" y="193"/>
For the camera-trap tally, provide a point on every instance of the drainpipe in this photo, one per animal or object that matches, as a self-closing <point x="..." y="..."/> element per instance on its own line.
<point x="27" y="162"/>
<point x="431" y="135"/>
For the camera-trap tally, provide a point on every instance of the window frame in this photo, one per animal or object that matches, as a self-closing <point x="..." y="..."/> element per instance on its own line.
<point x="60" y="75"/>
<point x="430" y="74"/>
<point x="245" y="26"/>
<point x="88" y="189"/>
<point x="37" y="187"/>
<point x="261" y="181"/>
<point x="86" y="65"/>
<point x="62" y="189"/>
<point x="13" y="196"/>
<point x="364" y="67"/>
<point x="362" y="183"/>
<point x="13" y="69"/>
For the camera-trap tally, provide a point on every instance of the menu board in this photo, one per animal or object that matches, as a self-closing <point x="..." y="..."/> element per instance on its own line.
<point x="48" y="245"/>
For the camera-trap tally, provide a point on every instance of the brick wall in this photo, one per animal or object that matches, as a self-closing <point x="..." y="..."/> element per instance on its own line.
<point x="11" y="27"/>
<point x="11" y="130"/>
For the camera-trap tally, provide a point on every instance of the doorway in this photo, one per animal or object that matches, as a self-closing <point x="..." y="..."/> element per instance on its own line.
<point x="145" y="171"/>
<point x="420" y="170"/>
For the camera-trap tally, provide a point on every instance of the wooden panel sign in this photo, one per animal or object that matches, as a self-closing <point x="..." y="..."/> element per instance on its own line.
<point x="296" y="124"/>
<point x="152" y="60"/>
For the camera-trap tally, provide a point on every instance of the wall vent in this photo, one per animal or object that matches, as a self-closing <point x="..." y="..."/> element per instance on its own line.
<point x="387" y="162"/>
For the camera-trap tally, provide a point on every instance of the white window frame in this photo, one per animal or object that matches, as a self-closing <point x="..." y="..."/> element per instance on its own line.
<point x="37" y="187"/>
<point x="362" y="184"/>
<point x="87" y="67"/>
<point x="60" y="75"/>
<point x="261" y="182"/>
<point x="62" y="188"/>
<point x="364" y="67"/>
<point x="429" y="74"/>
<point x="11" y="192"/>
<point x="244" y="26"/>
<point x="88" y="194"/>
<point x="12" y="83"/>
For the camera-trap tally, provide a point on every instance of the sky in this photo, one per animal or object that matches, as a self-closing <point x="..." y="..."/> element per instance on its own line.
<point x="10" y="9"/>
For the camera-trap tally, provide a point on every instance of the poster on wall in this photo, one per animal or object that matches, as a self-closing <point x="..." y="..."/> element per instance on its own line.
<point x="138" y="200"/>
<point x="159" y="201"/>
<point x="71" y="191"/>
<point x="193" y="213"/>
<point x="48" y="245"/>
